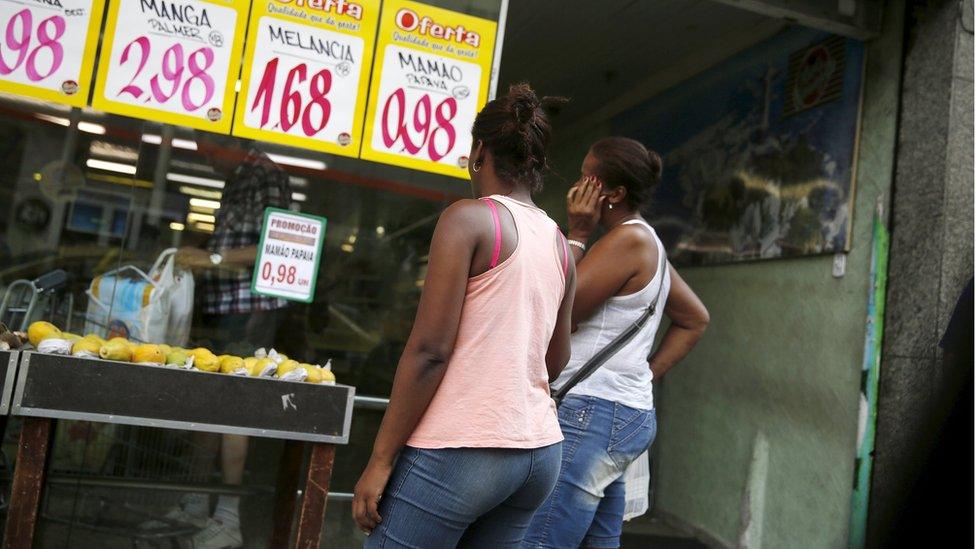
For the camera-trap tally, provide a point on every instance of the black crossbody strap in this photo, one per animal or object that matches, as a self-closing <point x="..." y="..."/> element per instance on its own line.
<point x="592" y="365"/>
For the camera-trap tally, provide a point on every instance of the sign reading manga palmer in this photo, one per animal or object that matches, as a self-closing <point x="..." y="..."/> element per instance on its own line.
<point x="175" y="62"/>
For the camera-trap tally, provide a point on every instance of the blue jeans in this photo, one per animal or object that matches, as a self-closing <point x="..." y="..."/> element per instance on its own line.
<point x="587" y="506"/>
<point x="467" y="497"/>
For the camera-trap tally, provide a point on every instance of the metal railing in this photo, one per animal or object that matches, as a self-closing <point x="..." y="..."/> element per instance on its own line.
<point x="363" y="403"/>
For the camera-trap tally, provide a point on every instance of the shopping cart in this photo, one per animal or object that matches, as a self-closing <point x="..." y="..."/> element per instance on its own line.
<point x="47" y="296"/>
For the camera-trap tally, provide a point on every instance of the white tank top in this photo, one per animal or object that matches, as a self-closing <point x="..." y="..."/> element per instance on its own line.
<point x="626" y="377"/>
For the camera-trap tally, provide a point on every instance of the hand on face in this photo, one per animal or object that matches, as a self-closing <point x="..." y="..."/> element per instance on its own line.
<point x="584" y="204"/>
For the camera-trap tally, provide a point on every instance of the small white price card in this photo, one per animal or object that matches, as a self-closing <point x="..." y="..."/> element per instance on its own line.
<point x="47" y="48"/>
<point x="429" y="79"/>
<point x="306" y="72"/>
<point x="172" y="61"/>
<point x="289" y="255"/>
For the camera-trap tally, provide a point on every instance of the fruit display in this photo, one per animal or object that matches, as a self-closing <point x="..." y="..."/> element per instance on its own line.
<point x="48" y="338"/>
<point x="39" y="331"/>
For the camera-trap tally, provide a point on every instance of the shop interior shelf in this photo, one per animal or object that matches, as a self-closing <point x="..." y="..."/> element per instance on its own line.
<point x="66" y="387"/>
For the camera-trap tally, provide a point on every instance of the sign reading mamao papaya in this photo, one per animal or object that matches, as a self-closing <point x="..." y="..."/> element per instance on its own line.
<point x="430" y="77"/>
<point x="172" y="61"/>
<point x="48" y="48"/>
<point x="306" y="72"/>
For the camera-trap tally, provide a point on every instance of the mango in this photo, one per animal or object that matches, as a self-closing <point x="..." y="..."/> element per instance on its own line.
<point x="116" y="349"/>
<point x="148" y="352"/>
<point x="230" y="364"/>
<point x="328" y="377"/>
<point x="41" y="330"/>
<point x="95" y="337"/>
<point x="122" y="341"/>
<point x="70" y="336"/>
<point x="166" y="349"/>
<point x="286" y="366"/>
<point x="263" y="367"/>
<point x="314" y="373"/>
<point x="177" y="356"/>
<point x="201" y="351"/>
<point x="204" y="359"/>
<point x="84" y="346"/>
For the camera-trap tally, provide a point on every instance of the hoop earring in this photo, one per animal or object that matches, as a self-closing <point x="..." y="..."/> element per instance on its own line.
<point x="476" y="167"/>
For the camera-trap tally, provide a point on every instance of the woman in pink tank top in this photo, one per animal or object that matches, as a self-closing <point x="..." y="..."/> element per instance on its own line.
<point x="470" y="445"/>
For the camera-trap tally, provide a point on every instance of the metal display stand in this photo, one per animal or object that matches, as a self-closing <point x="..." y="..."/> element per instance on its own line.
<point x="8" y="371"/>
<point x="59" y="387"/>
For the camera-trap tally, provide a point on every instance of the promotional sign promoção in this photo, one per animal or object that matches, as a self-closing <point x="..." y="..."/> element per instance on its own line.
<point x="430" y="77"/>
<point x="172" y="61"/>
<point x="48" y="49"/>
<point x="289" y="255"/>
<point x="306" y="72"/>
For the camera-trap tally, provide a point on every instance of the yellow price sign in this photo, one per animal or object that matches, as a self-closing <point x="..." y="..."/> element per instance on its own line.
<point x="306" y="72"/>
<point x="430" y="77"/>
<point x="47" y="49"/>
<point x="172" y="61"/>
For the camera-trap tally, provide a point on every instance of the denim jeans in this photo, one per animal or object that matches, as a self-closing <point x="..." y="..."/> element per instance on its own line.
<point x="464" y="497"/>
<point x="587" y="505"/>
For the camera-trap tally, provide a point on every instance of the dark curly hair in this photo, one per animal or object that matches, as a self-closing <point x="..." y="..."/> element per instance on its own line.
<point x="624" y="162"/>
<point x="516" y="129"/>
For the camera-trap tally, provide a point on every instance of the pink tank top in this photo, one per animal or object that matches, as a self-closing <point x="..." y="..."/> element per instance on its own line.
<point x="495" y="393"/>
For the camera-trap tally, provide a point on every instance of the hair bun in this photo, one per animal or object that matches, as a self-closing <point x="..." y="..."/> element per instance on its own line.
<point x="655" y="164"/>
<point x="515" y="128"/>
<point x="524" y="102"/>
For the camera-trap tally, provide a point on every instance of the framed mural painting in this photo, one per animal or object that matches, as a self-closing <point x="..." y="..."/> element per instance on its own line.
<point x="759" y="151"/>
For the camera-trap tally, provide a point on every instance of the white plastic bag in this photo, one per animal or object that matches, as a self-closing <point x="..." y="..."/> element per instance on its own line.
<point x="155" y="307"/>
<point x="637" y="482"/>
<point x="126" y="302"/>
<point x="179" y="285"/>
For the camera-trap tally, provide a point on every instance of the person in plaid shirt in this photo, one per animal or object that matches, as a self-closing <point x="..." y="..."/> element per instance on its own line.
<point x="253" y="182"/>
<point x="240" y="321"/>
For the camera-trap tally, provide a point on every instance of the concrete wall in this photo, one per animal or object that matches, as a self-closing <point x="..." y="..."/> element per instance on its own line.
<point x="769" y="399"/>
<point x="932" y="246"/>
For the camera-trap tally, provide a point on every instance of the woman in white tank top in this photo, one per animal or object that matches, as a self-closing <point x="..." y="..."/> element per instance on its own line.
<point x="608" y="419"/>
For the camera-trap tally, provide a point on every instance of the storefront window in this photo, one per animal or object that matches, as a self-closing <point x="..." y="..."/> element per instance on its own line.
<point x="101" y="197"/>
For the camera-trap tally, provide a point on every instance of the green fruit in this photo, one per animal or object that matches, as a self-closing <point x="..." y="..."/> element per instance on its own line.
<point x="177" y="357"/>
<point x="116" y="350"/>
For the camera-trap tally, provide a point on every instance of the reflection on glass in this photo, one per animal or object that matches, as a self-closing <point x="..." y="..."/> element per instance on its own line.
<point x="90" y="193"/>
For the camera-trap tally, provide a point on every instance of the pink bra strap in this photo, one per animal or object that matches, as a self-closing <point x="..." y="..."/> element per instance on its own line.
<point x="565" y="252"/>
<point x="497" y="251"/>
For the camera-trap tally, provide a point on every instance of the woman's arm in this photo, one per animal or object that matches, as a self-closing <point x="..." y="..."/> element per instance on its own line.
<point x="427" y="351"/>
<point x="689" y="318"/>
<point x="557" y="356"/>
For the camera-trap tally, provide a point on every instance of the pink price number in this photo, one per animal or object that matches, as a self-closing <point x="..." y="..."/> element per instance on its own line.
<point x="425" y="137"/>
<point x="17" y="38"/>
<point x="169" y="80"/>
<point x="282" y="274"/>
<point x="314" y="115"/>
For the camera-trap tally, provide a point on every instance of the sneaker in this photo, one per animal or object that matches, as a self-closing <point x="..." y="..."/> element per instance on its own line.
<point x="217" y="536"/>
<point x="174" y="517"/>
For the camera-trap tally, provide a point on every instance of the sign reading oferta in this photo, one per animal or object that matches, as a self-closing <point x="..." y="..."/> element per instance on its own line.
<point x="430" y="77"/>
